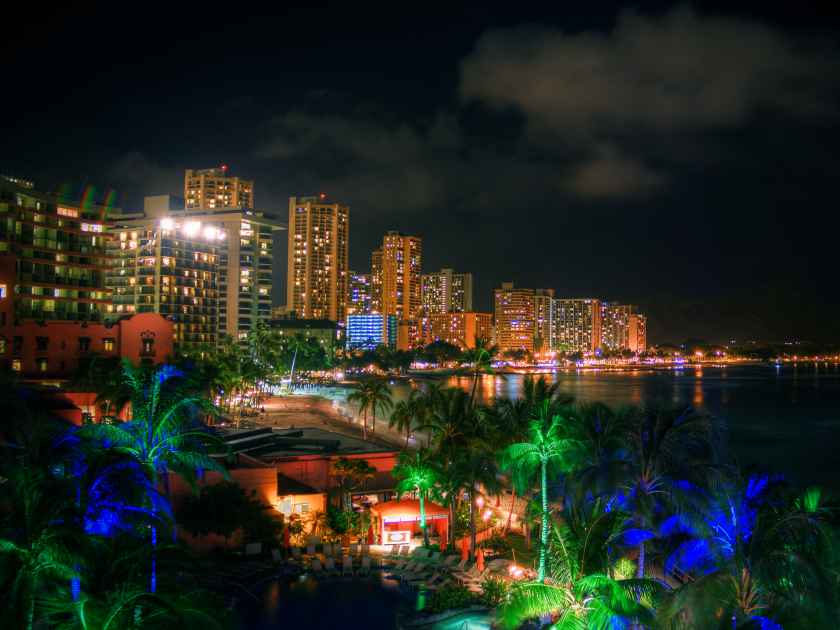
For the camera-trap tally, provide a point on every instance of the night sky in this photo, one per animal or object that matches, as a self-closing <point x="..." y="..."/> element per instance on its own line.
<point x="682" y="157"/>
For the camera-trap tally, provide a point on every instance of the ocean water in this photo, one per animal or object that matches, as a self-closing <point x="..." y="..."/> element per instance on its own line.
<point x="780" y="418"/>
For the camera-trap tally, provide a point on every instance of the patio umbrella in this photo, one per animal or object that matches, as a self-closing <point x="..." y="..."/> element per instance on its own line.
<point x="479" y="559"/>
<point x="286" y="542"/>
<point x="465" y="548"/>
<point x="370" y="534"/>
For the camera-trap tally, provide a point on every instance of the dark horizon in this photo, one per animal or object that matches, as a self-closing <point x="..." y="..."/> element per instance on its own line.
<point x="678" y="157"/>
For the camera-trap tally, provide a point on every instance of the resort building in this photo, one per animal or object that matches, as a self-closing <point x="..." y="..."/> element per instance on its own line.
<point x="359" y="294"/>
<point x="376" y="281"/>
<point x="55" y="255"/>
<point x="241" y="264"/>
<point x="318" y="274"/>
<point x="515" y="318"/>
<point x="371" y="330"/>
<point x="401" y="261"/>
<point x="323" y="330"/>
<point x="461" y="329"/>
<point x="544" y="324"/>
<point x="446" y="291"/>
<point x="167" y="266"/>
<point x="578" y="323"/>
<point x="214" y="188"/>
<point x="637" y="333"/>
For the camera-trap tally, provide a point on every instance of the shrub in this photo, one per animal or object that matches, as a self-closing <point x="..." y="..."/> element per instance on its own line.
<point x="448" y="597"/>
<point x="497" y="543"/>
<point x="494" y="591"/>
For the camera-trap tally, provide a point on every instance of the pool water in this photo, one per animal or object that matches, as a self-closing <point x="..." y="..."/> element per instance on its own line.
<point x="372" y="604"/>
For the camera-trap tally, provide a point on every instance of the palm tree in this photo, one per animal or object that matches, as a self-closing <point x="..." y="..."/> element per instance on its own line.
<point x="586" y="588"/>
<point x="668" y="445"/>
<point x="297" y="344"/>
<point x="163" y="434"/>
<point x="408" y="413"/>
<point x="351" y="474"/>
<point x="480" y="357"/>
<point x="760" y="558"/>
<point x="549" y="447"/>
<point x="37" y="539"/>
<point x="415" y="474"/>
<point x="371" y="395"/>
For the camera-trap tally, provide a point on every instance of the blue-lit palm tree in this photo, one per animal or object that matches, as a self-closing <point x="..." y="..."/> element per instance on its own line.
<point x="165" y="434"/>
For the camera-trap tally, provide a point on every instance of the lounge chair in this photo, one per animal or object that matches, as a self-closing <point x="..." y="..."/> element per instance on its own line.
<point x="404" y="550"/>
<point x="276" y="556"/>
<point x="365" y="568"/>
<point x="329" y="565"/>
<point x="420" y="554"/>
<point x="327" y="550"/>
<point x="347" y="566"/>
<point x="354" y="549"/>
<point x="296" y="554"/>
<point x="448" y="561"/>
<point x="316" y="566"/>
<point x="310" y="549"/>
<point x="461" y="567"/>
<point x="365" y="549"/>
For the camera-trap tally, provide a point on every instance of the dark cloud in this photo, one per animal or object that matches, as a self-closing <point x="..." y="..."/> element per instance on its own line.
<point x="664" y="73"/>
<point x="138" y="175"/>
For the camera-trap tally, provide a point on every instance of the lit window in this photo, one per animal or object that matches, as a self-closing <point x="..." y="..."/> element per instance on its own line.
<point x="2" y="291"/>
<point x="67" y="212"/>
<point x="43" y="364"/>
<point x="108" y="344"/>
<point x="91" y="227"/>
<point x="16" y="366"/>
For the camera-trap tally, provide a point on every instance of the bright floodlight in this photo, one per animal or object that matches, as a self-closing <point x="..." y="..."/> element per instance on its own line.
<point x="209" y="232"/>
<point x="167" y="224"/>
<point x="191" y="228"/>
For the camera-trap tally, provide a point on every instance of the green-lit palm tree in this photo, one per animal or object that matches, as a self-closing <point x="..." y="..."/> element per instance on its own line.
<point x="164" y="434"/>
<point x="549" y="447"/>
<point x="371" y="395"/>
<point x="480" y="359"/>
<point x="39" y="545"/>
<point x="415" y="473"/>
<point x="587" y="589"/>
<point x="408" y="414"/>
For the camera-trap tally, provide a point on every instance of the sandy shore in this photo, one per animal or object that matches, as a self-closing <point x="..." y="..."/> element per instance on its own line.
<point x="315" y="411"/>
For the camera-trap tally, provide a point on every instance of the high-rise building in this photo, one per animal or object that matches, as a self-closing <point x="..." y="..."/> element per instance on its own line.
<point x="214" y="188"/>
<point x="544" y="324"/>
<point x="615" y="320"/>
<point x="637" y="333"/>
<point x="376" y="281"/>
<point x="168" y="266"/>
<point x="245" y="258"/>
<point x="371" y="330"/>
<point x="461" y="329"/>
<point x="401" y="261"/>
<point x="514" y="315"/>
<point x="318" y="274"/>
<point x="359" y="295"/>
<point x="59" y="251"/>
<point x="578" y="324"/>
<point x="446" y="291"/>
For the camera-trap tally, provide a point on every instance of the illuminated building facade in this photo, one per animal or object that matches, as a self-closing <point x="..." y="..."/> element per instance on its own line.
<point x="637" y="333"/>
<point x="544" y="325"/>
<point x="514" y="316"/>
<point x="214" y="188"/>
<point x="318" y="274"/>
<point x="244" y="259"/>
<point x="168" y="266"/>
<point x="461" y="329"/>
<point x="446" y="291"/>
<point x="376" y="281"/>
<point x="401" y="261"/>
<point x="578" y="324"/>
<point x="615" y="325"/>
<point x="359" y="294"/>
<point x="59" y="253"/>
<point x="371" y="330"/>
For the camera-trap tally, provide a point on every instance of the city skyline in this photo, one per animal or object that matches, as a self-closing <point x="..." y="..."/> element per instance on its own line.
<point x="712" y="214"/>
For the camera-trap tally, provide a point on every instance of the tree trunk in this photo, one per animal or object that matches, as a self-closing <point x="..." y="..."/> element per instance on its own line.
<point x="472" y="522"/>
<point x="544" y="524"/>
<point x="510" y="513"/>
<point x="423" y="521"/>
<point x="292" y="371"/>
<point x="640" y="569"/>
<point x="373" y="426"/>
<point x="364" y="425"/>
<point x="475" y="385"/>
<point x="451" y="532"/>
<point x="30" y="612"/>
<point x="407" y="435"/>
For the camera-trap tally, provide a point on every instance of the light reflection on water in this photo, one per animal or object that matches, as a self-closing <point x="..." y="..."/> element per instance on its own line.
<point x="781" y="417"/>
